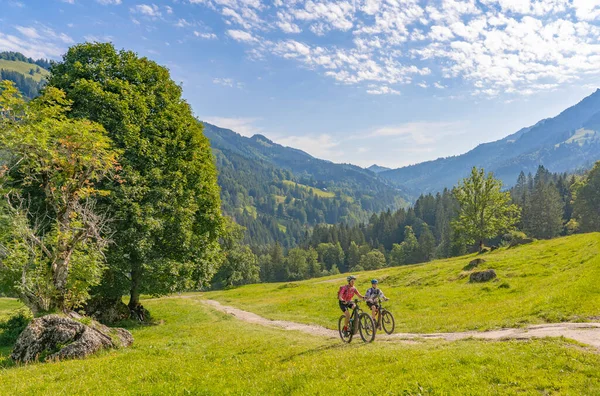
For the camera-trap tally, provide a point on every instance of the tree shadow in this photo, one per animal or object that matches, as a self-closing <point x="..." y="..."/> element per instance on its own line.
<point x="312" y="351"/>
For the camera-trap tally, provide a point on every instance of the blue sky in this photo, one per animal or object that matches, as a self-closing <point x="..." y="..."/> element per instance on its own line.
<point x="392" y="82"/>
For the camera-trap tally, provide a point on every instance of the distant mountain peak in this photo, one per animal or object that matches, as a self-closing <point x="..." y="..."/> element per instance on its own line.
<point x="376" y="168"/>
<point x="261" y="138"/>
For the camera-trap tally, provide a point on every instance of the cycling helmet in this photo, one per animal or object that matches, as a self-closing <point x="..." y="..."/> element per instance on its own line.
<point x="374" y="281"/>
<point x="351" y="277"/>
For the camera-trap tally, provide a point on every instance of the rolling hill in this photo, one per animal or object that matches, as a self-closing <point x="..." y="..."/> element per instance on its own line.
<point x="565" y="143"/>
<point x="278" y="192"/>
<point x="193" y="348"/>
<point x="28" y="74"/>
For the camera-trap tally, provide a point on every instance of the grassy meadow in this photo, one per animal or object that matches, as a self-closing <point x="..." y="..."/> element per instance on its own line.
<point x="193" y="349"/>
<point x="23" y="67"/>
<point x="546" y="281"/>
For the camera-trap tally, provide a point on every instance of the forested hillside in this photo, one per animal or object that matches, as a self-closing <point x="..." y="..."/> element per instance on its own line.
<point x="278" y="193"/>
<point x="565" y="143"/>
<point x="27" y="74"/>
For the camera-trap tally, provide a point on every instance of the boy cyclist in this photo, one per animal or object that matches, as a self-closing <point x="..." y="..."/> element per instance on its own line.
<point x="372" y="296"/>
<point x="345" y="295"/>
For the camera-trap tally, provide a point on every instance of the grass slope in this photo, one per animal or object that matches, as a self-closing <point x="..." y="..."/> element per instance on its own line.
<point x="547" y="281"/>
<point x="198" y="351"/>
<point x="23" y="68"/>
<point x="316" y="191"/>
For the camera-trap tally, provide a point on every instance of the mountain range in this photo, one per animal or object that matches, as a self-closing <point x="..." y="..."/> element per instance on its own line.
<point x="566" y="143"/>
<point x="277" y="192"/>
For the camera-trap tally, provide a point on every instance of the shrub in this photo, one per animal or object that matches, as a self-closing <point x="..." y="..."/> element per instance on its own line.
<point x="13" y="327"/>
<point x="512" y="236"/>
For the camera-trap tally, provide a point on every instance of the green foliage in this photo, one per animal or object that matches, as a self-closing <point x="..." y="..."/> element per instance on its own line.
<point x="240" y="265"/>
<point x="239" y="268"/>
<point x="587" y="202"/>
<point x="29" y="87"/>
<point x="406" y="252"/>
<point x="330" y="255"/>
<point x="372" y="261"/>
<point x="278" y="193"/>
<point x="167" y="210"/>
<point x="544" y="212"/>
<point x="53" y="235"/>
<point x="11" y="328"/>
<point x="485" y="210"/>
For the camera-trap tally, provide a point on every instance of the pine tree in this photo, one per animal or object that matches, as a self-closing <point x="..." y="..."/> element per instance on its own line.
<point x="543" y="211"/>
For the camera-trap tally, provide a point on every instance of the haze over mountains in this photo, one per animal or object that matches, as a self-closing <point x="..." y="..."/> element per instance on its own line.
<point x="565" y="143"/>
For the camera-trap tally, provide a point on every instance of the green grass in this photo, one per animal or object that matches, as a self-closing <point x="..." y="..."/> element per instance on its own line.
<point x="582" y="136"/>
<point x="198" y="351"/>
<point x="316" y="191"/>
<point x="23" y="67"/>
<point x="547" y="281"/>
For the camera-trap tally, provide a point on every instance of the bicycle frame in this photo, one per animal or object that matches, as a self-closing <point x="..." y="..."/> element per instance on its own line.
<point x="356" y="311"/>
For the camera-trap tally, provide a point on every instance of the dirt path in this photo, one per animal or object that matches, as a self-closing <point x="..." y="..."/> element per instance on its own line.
<point x="586" y="333"/>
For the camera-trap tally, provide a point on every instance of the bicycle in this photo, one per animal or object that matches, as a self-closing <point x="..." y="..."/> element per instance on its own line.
<point x="385" y="319"/>
<point x="364" y="325"/>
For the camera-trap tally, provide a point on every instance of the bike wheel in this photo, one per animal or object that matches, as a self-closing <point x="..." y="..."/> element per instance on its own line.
<point x="366" y="327"/>
<point x="388" y="322"/>
<point x="346" y="336"/>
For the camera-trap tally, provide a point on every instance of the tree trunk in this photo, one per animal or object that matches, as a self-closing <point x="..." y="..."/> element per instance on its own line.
<point x="480" y="245"/>
<point x="136" y="280"/>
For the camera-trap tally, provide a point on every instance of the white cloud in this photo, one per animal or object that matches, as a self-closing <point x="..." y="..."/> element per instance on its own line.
<point x="228" y="82"/>
<point x="29" y="32"/>
<point x="243" y="126"/>
<point x="240" y="35"/>
<point x="320" y="146"/>
<point x="98" y="39"/>
<point x="206" y="36"/>
<point x="508" y="47"/>
<point x="109" y="2"/>
<point x="149" y="10"/>
<point x="418" y="133"/>
<point x="383" y="90"/>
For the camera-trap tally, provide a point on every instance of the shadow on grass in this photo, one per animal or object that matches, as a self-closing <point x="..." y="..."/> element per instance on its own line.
<point x="313" y="351"/>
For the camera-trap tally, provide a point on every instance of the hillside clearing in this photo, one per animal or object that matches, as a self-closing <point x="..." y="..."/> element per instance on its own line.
<point x="544" y="282"/>
<point x="24" y="68"/>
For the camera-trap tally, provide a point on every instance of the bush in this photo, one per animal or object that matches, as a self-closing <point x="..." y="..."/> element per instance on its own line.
<point x="13" y="327"/>
<point x="512" y="236"/>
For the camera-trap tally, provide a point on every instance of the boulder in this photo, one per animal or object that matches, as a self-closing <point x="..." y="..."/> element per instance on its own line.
<point x="58" y="337"/>
<point x="482" y="276"/>
<point x="473" y="264"/>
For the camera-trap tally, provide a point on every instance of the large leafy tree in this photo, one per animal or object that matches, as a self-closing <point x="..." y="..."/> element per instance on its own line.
<point x="167" y="210"/>
<point x="52" y="238"/>
<point x="485" y="210"/>
<point x="587" y="201"/>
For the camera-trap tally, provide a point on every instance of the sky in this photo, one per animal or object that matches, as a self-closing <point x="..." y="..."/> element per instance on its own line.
<point x="387" y="82"/>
